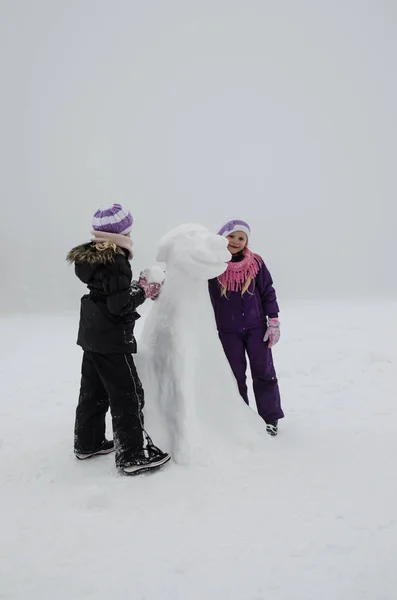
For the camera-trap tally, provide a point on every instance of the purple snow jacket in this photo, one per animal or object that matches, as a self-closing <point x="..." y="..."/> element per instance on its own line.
<point x="236" y="312"/>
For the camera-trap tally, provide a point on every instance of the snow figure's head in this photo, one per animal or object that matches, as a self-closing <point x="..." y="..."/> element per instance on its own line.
<point x="191" y="248"/>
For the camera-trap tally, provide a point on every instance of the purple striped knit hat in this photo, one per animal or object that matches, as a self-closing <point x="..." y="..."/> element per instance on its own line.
<point x="112" y="219"/>
<point x="235" y="225"/>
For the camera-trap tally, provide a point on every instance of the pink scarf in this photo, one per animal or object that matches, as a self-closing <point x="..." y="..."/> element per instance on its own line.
<point x="237" y="273"/>
<point x="123" y="241"/>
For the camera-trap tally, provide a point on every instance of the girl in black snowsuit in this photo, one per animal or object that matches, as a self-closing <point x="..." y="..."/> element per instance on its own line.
<point x="106" y="335"/>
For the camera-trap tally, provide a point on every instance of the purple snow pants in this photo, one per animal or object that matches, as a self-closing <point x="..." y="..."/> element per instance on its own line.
<point x="250" y="342"/>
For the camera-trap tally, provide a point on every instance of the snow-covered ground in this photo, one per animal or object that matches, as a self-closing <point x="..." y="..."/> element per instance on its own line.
<point x="316" y="520"/>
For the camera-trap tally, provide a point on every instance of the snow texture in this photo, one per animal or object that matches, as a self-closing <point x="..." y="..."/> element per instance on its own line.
<point x="315" y="520"/>
<point x="195" y="410"/>
<point x="154" y="274"/>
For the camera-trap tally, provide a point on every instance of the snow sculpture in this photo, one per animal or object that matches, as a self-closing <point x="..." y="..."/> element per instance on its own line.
<point x="193" y="408"/>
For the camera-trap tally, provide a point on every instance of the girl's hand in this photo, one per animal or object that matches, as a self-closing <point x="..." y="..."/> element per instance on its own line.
<point x="151" y="289"/>
<point x="272" y="334"/>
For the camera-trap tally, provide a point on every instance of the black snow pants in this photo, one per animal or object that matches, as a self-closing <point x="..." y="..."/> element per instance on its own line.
<point x="110" y="380"/>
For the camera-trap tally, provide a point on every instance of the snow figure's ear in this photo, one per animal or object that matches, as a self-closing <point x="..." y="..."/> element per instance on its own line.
<point x="164" y="246"/>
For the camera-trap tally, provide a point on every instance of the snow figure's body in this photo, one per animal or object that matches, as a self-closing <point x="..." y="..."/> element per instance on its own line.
<point x="192" y="403"/>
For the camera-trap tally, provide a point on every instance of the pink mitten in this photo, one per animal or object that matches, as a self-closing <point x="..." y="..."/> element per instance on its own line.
<point x="152" y="289"/>
<point x="272" y="333"/>
<point x="152" y="280"/>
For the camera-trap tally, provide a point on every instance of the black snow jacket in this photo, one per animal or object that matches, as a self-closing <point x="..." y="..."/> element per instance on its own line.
<point x="108" y="312"/>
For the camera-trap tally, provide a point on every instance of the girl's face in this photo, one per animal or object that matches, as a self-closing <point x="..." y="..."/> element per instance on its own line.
<point x="237" y="241"/>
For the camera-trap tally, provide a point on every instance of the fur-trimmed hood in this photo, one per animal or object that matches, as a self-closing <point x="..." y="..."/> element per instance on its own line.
<point x="89" y="258"/>
<point x="94" y="254"/>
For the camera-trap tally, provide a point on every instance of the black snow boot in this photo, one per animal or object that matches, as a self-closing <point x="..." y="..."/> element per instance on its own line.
<point x="272" y="428"/>
<point x="106" y="448"/>
<point x="151" y="459"/>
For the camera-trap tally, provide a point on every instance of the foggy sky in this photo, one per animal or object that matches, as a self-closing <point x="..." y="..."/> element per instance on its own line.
<point x="281" y="113"/>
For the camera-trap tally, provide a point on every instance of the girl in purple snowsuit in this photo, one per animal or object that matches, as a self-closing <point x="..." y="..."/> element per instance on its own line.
<point x="246" y="314"/>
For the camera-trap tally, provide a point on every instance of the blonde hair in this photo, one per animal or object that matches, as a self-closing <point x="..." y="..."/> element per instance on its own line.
<point x="108" y="247"/>
<point x="102" y="246"/>
<point x="245" y="288"/>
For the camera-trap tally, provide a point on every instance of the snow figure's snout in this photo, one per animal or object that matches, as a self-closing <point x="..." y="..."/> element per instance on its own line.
<point x="219" y="244"/>
<point x="212" y="252"/>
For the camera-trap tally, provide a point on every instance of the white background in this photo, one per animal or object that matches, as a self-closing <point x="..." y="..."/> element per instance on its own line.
<point x="281" y="113"/>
